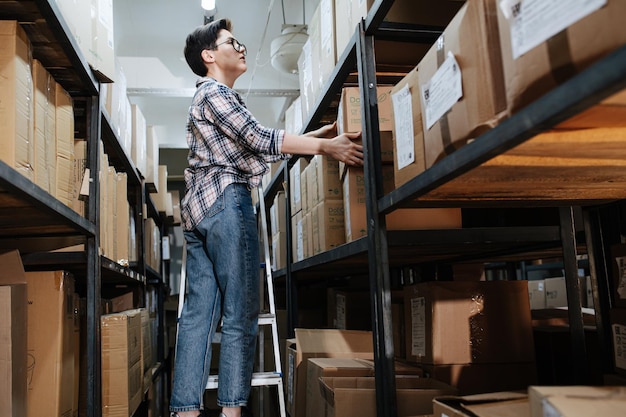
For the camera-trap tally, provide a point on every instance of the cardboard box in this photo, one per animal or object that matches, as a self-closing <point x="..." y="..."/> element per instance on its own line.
<point x="122" y="375"/>
<point x="351" y="310"/>
<point x="50" y="343"/>
<point x="101" y="54"/>
<point x="328" y="225"/>
<point x="278" y="214"/>
<point x="147" y="358"/>
<point x="139" y="147"/>
<point x="44" y="130"/>
<point x="295" y="184"/>
<point x="16" y="91"/>
<point x="476" y="378"/>
<point x="13" y="350"/>
<point x="319" y="343"/>
<point x="537" y="294"/>
<point x="400" y="219"/>
<point x="461" y="83"/>
<point x="328" y="52"/>
<point x="493" y="404"/>
<point x="279" y="251"/>
<point x="468" y="322"/>
<point x="349" y="116"/>
<point x="408" y="133"/>
<point x="329" y="367"/>
<point x="298" y="232"/>
<point x="152" y="157"/>
<point x="537" y="56"/>
<point x="576" y="401"/>
<point x="328" y="178"/>
<point x="357" y="396"/>
<point x="64" y="124"/>
<point x="556" y="292"/>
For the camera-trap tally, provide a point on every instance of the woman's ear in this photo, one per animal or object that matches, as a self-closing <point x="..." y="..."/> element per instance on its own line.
<point x="207" y="55"/>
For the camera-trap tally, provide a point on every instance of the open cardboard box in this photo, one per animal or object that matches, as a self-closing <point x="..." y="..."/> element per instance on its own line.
<point x="356" y="396"/>
<point x="320" y="343"/>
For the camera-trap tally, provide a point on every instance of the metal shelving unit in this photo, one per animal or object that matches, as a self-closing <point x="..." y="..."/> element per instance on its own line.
<point x="481" y="166"/>
<point x="35" y="223"/>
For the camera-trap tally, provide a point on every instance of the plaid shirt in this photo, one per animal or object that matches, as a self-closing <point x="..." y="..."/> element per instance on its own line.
<point x="226" y="145"/>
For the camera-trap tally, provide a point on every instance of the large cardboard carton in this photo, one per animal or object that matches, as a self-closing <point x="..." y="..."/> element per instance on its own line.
<point x="544" y="45"/>
<point x="101" y="54"/>
<point x="468" y="322"/>
<point x="328" y="180"/>
<point x="13" y="334"/>
<point x="16" y="92"/>
<point x="64" y="112"/>
<point x="328" y="225"/>
<point x="492" y="404"/>
<point x="461" y="81"/>
<point x="349" y="116"/>
<point x="44" y="130"/>
<point x="50" y="343"/>
<point x="295" y="184"/>
<point x="319" y="343"/>
<point x="122" y="375"/>
<point x="356" y="396"/>
<point x="408" y="133"/>
<point x="577" y="401"/>
<point x="13" y="350"/>
<point x="329" y="367"/>
<point x="400" y="219"/>
<point x="328" y="48"/>
<point x="139" y="147"/>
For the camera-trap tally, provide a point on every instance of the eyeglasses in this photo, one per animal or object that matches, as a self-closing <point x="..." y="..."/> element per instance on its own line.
<point x="237" y="46"/>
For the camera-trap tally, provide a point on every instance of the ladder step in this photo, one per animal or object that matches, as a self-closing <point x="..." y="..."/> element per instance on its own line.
<point x="258" y="379"/>
<point x="266" y="318"/>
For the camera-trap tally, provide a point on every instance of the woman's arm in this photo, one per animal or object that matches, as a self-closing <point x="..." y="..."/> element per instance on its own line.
<point x="341" y="148"/>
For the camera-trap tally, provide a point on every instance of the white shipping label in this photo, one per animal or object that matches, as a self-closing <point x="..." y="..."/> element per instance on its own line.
<point x="619" y="345"/>
<point x="533" y="22"/>
<point x="403" y="119"/>
<point x="326" y="25"/>
<point x="296" y="184"/>
<point x="442" y="91"/>
<point x="418" y="326"/>
<point x="300" y="241"/>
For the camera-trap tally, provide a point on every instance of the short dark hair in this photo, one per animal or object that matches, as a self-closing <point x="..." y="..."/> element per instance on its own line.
<point x="203" y="37"/>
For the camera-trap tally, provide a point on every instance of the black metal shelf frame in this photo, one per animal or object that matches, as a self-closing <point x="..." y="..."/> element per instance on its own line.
<point x="28" y="214"/>
<point x="586" y="89"/>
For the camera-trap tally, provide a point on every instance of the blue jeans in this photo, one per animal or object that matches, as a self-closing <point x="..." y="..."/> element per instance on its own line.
<point x="222" y="283"/>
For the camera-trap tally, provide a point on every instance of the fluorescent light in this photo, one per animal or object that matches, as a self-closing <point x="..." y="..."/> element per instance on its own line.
<point x="208" y="4"/>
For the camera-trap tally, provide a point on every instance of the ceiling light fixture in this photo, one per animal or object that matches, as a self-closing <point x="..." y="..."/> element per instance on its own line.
<point x="287" y="47"/>
<point x="208" y="5"/>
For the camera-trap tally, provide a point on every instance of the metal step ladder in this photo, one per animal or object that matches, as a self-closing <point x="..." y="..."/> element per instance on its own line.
<point x="261" y="377"/>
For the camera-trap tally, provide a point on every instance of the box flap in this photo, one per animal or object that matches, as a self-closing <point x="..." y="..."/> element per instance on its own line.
<point x="493" y="404"/>
<point x="333" y="340"/>
<point x="12" y="268"/>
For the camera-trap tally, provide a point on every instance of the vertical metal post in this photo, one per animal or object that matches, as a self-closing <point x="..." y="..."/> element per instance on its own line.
<point x="598" y="241"/>
<point x="291" y="290"/>
<point x="380" y="288"/>
<point x="580" y="372"/>
<point x="94" y="395"/>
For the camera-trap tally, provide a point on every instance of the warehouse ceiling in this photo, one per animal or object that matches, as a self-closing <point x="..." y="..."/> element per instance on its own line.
<point x="149" y="41"/>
